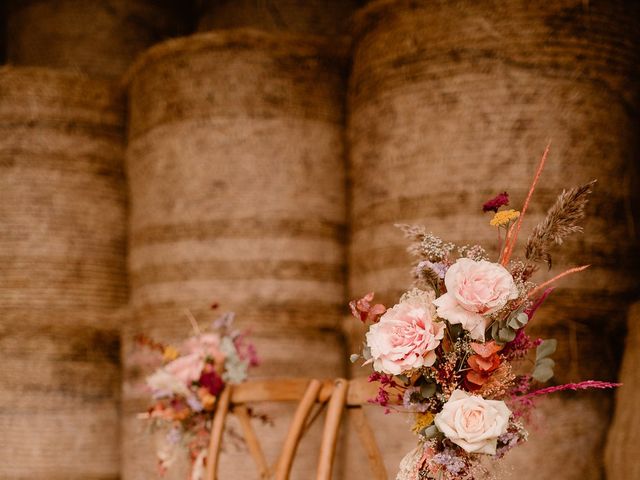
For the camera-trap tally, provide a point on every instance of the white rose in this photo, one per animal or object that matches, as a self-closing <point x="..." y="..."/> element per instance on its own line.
<point x="406" y="336"/>
<point x="164" y="383"/>
<point x="475" y="289"/>
<point x="472" y="422"/>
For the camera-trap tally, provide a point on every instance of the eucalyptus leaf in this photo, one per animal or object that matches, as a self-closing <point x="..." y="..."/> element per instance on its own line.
<point x="403" y="378"/>
<point x="546" y="348"/>
<point x="523" y="318"/>
<point x="506" y="334"/>
<point x="427" y="390"/>
<point x="366" y="353"/>
<point x="543" y="370"/>
<point x="495" y="329"/>
<point x="518" y="321"/>
<point x="354" y="357"/>
<point x="430" y="432"/>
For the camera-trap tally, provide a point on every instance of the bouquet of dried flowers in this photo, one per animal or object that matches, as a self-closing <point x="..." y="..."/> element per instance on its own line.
<point x="187" y="385"/>
<point x="454" y="351"/>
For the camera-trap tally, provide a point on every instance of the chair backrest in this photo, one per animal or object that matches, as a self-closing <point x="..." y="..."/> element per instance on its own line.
<point x="312" y="396"/>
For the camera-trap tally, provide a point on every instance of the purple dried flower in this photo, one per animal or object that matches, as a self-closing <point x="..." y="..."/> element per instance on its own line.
<point x="496" y="202"/>
<point x="409" y="400"/>
<point x="439" y="268"/>
<point x="450" y="461"/>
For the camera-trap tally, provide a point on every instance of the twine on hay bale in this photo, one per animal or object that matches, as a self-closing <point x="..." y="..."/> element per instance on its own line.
<point x="316" y="17"/>
<point x="453" y="102"/>
<point x="98" y="37"/>
<point x="624" y="435"/>
<point x="235" y="163"/>
<point x="63" y="217"/>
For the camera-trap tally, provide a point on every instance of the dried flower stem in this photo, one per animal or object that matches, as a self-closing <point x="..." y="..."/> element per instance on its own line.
<point x="543" y="285"/>
<point x="561" y="221"/>
<point x="572" y="386"/>
<point x="194" y="322"/>
<point x="510" y="244"/>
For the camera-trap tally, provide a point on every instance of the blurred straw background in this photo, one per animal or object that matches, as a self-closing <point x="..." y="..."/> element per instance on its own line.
<point x="159" y="156"/>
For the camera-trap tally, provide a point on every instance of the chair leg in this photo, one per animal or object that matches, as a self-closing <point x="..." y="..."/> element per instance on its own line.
<point x="367" y="439"/>
<point x="331" y="428"/>
<point x="285" y="461"/>
<point x="217" y="428"/>
<point x="242" y="414"/>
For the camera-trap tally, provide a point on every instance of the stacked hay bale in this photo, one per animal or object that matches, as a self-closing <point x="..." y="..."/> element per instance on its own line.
<point x="453" y="102"/>
<point x="63" y="241"/>
<point x="99" y="37"/>
<point x="235" y="164"/>
<point x="624" y="435"/>
<point x="316" y="17"/>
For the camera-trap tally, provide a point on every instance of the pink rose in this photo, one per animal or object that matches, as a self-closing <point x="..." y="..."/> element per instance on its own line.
<point x="406" y="336"/>
<point x="472" y="422"/>
<point x="187" y="368"/>
<point x="205" y="345"/>
<point x="475" y="289"/>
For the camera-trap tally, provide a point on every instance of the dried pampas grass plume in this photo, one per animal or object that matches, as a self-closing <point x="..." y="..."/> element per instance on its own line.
<point x="561" y="221"/>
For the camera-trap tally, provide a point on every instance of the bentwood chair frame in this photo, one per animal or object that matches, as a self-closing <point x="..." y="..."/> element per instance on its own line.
<point x="334" y="395"/>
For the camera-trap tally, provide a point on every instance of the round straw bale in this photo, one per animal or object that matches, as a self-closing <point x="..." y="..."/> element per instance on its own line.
<point x="63" y="238"/>
<point x="624" y="435"/>
<point x="98" y="37"/>
<point x="316" y="17"/>
<point x="236" y="171"/>
<point x="453" y="102"/>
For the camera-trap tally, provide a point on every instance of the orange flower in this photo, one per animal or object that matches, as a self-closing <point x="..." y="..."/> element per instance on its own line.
<point x="483" y="363"/>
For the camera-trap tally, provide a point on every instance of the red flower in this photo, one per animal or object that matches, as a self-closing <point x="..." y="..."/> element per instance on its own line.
<point x="496" y="202"/>
<point x="363" y="311"/>
<point x="211" y="381"/>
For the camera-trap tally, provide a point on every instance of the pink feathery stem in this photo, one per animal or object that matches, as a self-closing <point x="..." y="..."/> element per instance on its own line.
<point x="508" y="248"/>
<point x="543" y="285"/>
<point x="571" y="386"/>
<point x="539" y="301"/>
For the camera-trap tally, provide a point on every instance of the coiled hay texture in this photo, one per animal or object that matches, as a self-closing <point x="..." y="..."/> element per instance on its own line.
<point x="315" y="17"/>
<point x="236" y="171"/>
<point x="98" y="37"/>
<point x="64" y="275"/>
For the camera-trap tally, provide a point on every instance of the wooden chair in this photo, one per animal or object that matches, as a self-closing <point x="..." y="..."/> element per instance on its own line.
<point x="334" y="395"/>
<point x="359" y="393"/>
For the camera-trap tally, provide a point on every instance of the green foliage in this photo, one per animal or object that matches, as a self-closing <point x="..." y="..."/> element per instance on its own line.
<point x="543" y="370"/>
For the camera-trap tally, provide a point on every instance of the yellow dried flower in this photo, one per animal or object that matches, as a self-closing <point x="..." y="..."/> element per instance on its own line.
<point x="504" y="217"/>
<point x="170" y="353"/>
<point x="423" y="420"/>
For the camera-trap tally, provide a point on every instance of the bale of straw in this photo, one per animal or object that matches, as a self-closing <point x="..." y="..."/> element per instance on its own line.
<point x="99" y="37"/>
<point x="624" y="435"/>
<point x="63" y="244"/>
<point x="453" y="102"/>
<point x="236" y="171"/>
<point x="316" y="17"/>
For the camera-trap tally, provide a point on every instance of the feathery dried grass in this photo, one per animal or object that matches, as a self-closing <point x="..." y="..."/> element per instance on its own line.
<point x="561" y="221"/>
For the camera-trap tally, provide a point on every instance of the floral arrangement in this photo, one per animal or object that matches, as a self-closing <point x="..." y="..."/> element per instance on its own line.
<point x="186" y="386"/>
<point x="454" y="351"/>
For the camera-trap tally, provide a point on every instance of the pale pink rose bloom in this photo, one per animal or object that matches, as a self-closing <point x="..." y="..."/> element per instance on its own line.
<point x="206" y="345"/>
<point x="472" y="422"/>
<point x="475" y="289"/>
<point x="406" y="336"/>
<point x="187" y="368"/>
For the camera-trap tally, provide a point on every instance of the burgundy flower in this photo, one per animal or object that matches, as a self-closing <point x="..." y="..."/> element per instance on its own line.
<point x="212" y="382"/>
<point x="496" y="202"/>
